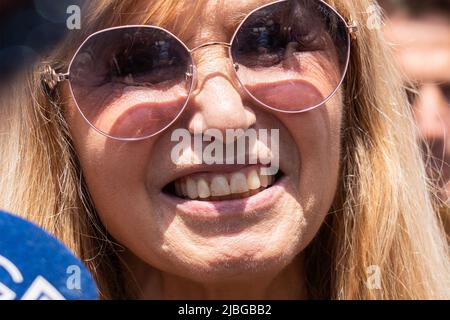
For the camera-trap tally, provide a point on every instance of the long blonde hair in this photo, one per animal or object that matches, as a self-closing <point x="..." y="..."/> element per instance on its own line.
<point x="383" y="214"/>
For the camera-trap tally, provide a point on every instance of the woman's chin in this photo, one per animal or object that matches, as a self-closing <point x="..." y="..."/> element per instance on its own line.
<point x="230" y="265"/>
<point x="255" y="251"/>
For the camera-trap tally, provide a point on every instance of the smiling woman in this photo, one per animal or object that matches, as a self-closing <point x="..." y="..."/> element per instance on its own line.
<point x="88" y="144"/>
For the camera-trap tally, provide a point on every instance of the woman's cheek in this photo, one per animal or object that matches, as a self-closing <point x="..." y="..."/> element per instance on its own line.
<point x="287" y="95"/>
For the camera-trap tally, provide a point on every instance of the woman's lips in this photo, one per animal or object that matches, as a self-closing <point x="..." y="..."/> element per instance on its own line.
<point x="255" y="204"/>
<point x="223" y="186"/>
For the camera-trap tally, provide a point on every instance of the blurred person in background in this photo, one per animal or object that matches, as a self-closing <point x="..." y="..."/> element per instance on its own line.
<point x="419" y="32"/>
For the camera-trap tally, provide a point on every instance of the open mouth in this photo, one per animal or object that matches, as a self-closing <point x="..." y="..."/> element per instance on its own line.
<point x="213" y="186"/>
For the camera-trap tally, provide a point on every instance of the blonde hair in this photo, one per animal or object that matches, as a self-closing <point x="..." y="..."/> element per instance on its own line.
<point x="383" y="214"/>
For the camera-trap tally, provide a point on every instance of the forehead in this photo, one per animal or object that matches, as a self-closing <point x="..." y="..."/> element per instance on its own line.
<point x="230" y="11"/>
<point x="215" y="20"/>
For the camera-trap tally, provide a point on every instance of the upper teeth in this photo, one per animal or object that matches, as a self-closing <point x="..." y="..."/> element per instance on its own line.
<point x="204" y="186"/>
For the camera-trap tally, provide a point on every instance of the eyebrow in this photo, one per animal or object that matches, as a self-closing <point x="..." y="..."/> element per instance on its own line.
<point x="232" y="21"/>
<point x="236" y="19"/>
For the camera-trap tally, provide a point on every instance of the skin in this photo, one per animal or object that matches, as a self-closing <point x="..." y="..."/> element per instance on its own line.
<point x="254" y="256"/>
<point x="422" y="48"/>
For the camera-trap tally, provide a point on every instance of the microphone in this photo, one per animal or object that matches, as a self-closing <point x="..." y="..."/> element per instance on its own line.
<point x="36" y="266"/>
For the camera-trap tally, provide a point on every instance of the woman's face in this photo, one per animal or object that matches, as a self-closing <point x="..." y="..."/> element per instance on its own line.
<point x="224" y="237"/>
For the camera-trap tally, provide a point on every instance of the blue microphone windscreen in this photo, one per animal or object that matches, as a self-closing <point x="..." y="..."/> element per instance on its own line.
<point x="36" y="266"/>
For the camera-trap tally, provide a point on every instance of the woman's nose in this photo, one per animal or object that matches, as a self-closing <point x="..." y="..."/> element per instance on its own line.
<point x="432" y="113"/>
<point x="217" y="101"/>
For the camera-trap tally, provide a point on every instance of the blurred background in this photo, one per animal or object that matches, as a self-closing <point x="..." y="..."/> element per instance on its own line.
<point x="27" y="29"/>
<point x="419" y="33"/>
<point x="417" y="30"/>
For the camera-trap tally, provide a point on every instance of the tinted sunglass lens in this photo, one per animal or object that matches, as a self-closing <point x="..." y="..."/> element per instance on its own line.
<point x="292" y="55"/>
<point x="131" y="83"/>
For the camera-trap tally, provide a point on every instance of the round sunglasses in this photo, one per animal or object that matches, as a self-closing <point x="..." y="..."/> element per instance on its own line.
<point x="133" y="82"/>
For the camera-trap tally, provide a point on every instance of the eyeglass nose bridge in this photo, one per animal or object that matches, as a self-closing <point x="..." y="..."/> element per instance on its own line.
<point x="190" y="73"/>
<point x="212" y="43"/>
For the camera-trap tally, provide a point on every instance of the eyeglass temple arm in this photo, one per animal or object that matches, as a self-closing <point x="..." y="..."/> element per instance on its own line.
<point x="353" y="28"/>
<point x="51" y="78"/>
